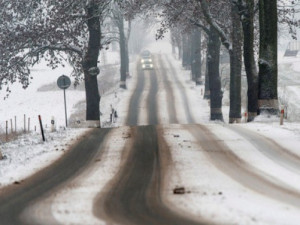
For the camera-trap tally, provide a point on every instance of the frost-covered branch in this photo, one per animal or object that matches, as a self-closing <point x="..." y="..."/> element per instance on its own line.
<point x="209" y="18"/>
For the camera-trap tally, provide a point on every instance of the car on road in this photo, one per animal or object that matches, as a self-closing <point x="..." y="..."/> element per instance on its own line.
<point x="147" y="64"/>
<point x="146" y="60"/>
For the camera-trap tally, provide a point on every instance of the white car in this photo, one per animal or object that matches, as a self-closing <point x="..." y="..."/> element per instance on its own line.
<point x="147" y="64"/>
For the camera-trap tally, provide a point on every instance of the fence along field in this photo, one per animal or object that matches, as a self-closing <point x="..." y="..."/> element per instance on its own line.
<point x="10" y="129"/>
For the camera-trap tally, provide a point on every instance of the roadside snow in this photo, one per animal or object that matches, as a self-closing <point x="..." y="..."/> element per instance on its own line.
<point x="28" y="154"/>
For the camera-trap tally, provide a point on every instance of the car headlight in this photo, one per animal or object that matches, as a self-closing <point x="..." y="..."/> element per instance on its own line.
<point x="151" y="65"/>
<point x="142" y="61"/>
<point x="150" y="60"/>
<point x="143" y="66"/>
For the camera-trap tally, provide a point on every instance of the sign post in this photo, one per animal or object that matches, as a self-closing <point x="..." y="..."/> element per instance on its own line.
<point x="63" y="82"/>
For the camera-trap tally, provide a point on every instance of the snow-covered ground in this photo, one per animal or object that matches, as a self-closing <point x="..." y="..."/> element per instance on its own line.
<point x="235" y="205"/>
<point x="28" y="153"/>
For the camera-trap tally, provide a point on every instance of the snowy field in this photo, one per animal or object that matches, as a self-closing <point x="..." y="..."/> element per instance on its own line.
<point x="237" y="204"/>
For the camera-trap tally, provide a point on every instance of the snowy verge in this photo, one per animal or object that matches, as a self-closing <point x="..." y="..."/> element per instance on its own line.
<point x="29" y="154"/>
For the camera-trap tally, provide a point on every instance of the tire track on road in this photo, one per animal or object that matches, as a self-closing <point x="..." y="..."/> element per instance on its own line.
<point x="190" y="119"/>
<point x="270" y="149"/>
<point x="15" y="198"/>
<point x="133" y="110"/>
<point x="152" y="100"/>
<point x="169" y="91"/>
<point x="134" y="197"/>
<point x="229" y="163"/>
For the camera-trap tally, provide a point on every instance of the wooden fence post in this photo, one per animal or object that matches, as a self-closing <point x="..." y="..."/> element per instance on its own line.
<point x="42" y="130"/>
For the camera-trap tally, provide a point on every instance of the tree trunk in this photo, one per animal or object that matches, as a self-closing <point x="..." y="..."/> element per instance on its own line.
<point x="90" y="62"/>
<point x="206" y="86"/>
<point x="268" y="71"/>
<point x="213" y="59"/>
<point x="123" y="57"/>
<point x="249" y="59"/>
<point x="173" y="42"/>
<point x="173" y="48"/>
<point x="127" y="48"/>
<point x="179" y="51"/>
<point x="196" y="56"/>
<point x="127" y="59"/>
<point x="235" y="67"/>
<point x="186" y="52"/>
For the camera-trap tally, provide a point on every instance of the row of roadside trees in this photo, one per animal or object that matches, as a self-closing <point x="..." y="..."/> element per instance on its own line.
<point x="247" y="29"/>
<point x="61" y="32"/>
<point x="71" y="31"/>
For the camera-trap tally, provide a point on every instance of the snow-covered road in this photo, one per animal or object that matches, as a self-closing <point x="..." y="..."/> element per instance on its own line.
<point x="232" y="174"/>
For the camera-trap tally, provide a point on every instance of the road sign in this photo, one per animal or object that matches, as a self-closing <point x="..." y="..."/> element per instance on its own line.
<point x="63" y="82"/>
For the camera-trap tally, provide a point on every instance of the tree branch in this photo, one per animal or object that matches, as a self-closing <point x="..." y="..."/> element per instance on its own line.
<point x="209" y="19"/>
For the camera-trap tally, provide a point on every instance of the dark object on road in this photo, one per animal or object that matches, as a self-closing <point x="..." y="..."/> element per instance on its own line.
<point x="179" y="190"/>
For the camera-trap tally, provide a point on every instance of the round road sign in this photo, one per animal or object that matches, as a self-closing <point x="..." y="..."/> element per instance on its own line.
<point x="63" y="82"/>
